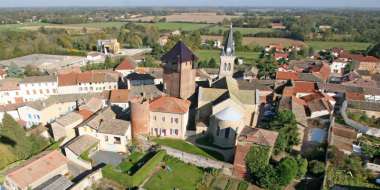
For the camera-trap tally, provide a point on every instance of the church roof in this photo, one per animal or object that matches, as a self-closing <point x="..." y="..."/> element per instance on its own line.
<point x="229" y="114"/>
<point x="229" y="44"/>
<point x="179" y="53"/>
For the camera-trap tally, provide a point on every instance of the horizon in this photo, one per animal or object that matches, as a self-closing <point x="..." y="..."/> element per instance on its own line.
<point x="195" y="3"/>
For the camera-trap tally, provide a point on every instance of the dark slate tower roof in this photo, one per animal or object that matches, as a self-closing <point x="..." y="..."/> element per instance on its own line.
<point x="179" y="53"/>
<point x="229" y="44"/>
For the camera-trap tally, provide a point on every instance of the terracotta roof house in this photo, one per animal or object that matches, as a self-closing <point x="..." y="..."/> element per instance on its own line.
<point x="36" y="170"/>
<point x="169" y="117"/>
<point x="279" y="56"/>
<point x="251" y="137"/>
<point x="126" y="67"/>
<point x="284" y="75"/>
<point x="120" y="98"/>
<point x="343" y="138"/>
<point x="64" y="126"/>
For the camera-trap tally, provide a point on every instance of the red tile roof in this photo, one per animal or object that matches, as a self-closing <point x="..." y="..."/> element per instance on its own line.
<point x="74" y="78"/>
<point x="85" y="113"/>
<point x="281" y="55"/>
<point x="304" y="87"/>
<point x="169" y="105"/>
<point x="354" y="96"/>
<point x="359" y="57"/>
<point x="258" y="136"/>
<point x="119" y="96"/>
<point x="37" y="168"/>
<point x="127" y="64"/>
<point x="283" y="75"/>
<point x="323" y="72"/>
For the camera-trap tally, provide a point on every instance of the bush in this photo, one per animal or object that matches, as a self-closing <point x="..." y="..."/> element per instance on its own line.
<point x="243" y="185"/>
<point x="316" y="167"/>
<point x="287" y="170"/>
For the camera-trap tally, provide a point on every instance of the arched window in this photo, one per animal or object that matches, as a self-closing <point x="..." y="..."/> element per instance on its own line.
<point x="229" y="66"/>
<point x="225" y="67"/>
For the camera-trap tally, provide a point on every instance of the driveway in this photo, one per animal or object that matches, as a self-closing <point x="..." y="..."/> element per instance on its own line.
<point x="112" y="158"/>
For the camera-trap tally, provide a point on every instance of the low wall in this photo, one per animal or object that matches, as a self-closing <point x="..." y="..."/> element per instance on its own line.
<point x="199" y="160"/>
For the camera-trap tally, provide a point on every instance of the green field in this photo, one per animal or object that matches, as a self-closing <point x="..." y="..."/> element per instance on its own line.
<point x="35" y="26"/>
<point x="205" y="55"/>
<point x="179" y="175"/>
<point x="170" y="26"/>
<point x="244" y="31"/>
<point x="319" y="45"/>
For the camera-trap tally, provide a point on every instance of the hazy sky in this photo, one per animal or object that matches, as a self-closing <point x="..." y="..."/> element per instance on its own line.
<point x="252" y="3"/>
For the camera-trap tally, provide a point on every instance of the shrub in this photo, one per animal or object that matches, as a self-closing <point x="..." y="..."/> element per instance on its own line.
<point x="243" y="185"/>
<point x="316" y="167"/>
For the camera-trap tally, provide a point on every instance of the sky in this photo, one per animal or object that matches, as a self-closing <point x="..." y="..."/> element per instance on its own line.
<point x="163" y="3"/>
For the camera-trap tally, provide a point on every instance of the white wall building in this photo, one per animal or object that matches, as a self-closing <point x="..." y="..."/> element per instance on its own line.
<point x="38" y="87"/>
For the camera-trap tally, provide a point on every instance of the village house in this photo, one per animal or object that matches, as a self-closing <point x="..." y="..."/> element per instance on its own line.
<point x="10" y="92"/>
<point x="36" y="171"/>
<point x="126" y="67"/>
<point x="38" y="87"/>
<point x="169" y="117"/>
<point x="343" y="138"/>
<point x="80" y="148"/>
<point x="251" y="137"/>
<point x="87" y="82"/>
<point x="108" y="46"/>
<point x="337" y="67"/>
<point x="64" y="127"/>
<point x="120" y="98"/>
<point x="363" y="63"/>
<point x="113" y="134"/>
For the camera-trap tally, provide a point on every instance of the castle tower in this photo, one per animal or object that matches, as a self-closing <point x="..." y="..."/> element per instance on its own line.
<point x="140" y="117"/>
<point x="179" y="71"/>
<point x="227" y="57"/>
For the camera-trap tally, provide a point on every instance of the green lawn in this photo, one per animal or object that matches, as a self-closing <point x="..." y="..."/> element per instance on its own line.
<point x="243" y="31"/>
<point x="248" y="57"/>
<point x="177" y="175"/>
<point x="319" y="45"/>
<point x="189" y="148"/>
<point x="170" y="26"/>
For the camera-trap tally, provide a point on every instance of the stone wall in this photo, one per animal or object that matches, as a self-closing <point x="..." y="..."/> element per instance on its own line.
<point x="200" y="161"/>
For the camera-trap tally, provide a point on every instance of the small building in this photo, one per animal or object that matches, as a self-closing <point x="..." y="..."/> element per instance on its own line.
<point x="337" y="67"/>
<point x="36" y="171"/>
<point x="64" y="127"/>
<point x="126" y="67"/>
<point x="169" y="117"/>
<point x="113" y="134"/>
<point x="79" y="149"/>
<point x="108" y="46"/>
<point x="120" y="98"/>
<point x="251" y="137"/>
<point x="343" y="138"/>
<point x="10" y="92"/>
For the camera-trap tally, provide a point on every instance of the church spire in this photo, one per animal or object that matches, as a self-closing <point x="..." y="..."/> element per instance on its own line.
<point x="229" y="44"/>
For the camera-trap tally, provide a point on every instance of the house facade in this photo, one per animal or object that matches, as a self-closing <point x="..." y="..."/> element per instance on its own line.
<point x="38" y="87"/>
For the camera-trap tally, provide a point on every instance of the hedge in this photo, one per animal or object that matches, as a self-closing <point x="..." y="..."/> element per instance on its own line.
<point x="135" y="180"/>
<point x="147" y="169"/>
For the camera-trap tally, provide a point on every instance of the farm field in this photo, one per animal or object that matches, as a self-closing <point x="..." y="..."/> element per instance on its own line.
<point x="199" y="17"/>
<point x="176" y="26"/>
<point x="259" y="41"/>
<point x="243" y="31"/>
<point x="206" y="55"/>
<point x="319" y="45"/>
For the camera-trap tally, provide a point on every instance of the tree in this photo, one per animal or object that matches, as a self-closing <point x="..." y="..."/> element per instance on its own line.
<point x="374" y="50"/>
<point x="302" y="166"/>
<point x="316" y="167"/>
<point x="267" y="68"/>
<point x="14" y="71"/>
<point x="257" y="158"/>
<point x="212" y="63"/>
<point x="32" y="71"/>
<point x="287" y="170"/>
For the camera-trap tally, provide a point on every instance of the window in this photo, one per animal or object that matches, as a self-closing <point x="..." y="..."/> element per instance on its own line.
<point x="171" y="120"/>
<point x="47" y="91"/>
<point x="176" y="132"/>
<point x="176" y="120"/>
<point x="41" y="91"/>
<point x="217" y="131"/>
<point x="30" y="116"/>
<point x="27" y="92"/>
<point x="163" y="131"/>
<point x="34" y="92"/>
<point x="227" y="132"/>
<point x="163" y="119"/>
<point x="117" y="140"/>
<point x="171" y="131"/>
<point x="154" y="118"/>
<point x="106" y="138"/>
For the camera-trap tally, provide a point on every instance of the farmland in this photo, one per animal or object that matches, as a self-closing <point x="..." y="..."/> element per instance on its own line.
<point x="206" y="55"/>
<point x="318" y="45"/>
<point x="199" y="17"/>
<point x="243" y="31"/>
<point x="170" y="26"/>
